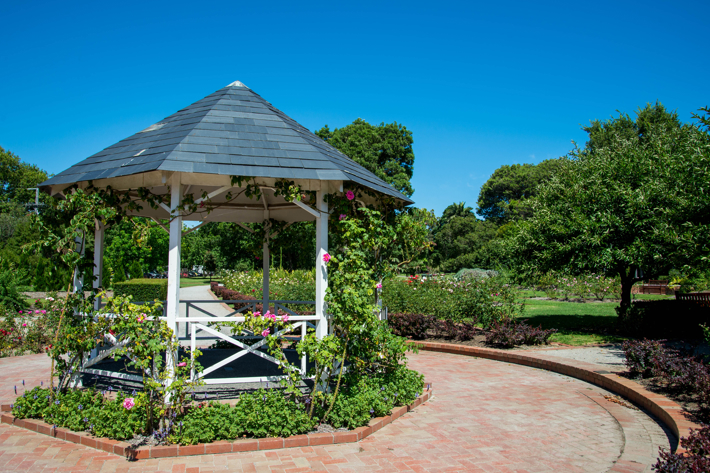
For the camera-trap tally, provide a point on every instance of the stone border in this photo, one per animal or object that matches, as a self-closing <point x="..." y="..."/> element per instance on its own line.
<point x="223" y="446"/>
<point x="669" y="412"/>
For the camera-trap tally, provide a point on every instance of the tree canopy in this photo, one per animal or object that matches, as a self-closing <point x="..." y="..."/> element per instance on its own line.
<point x="384" y="149"/>
<point x="504" y="195"/>
<point x="634" y="197"/>
<point x="462" y="242"/>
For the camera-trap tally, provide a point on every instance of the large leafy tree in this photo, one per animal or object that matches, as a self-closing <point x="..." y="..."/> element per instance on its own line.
<point x="385" y="150"/>
<point x="504" y="196"/>
<point x="462" y="242"/>
<point x="16" y="176"/>
<point x="455" y="210"/>
<point x="635" y="198"/>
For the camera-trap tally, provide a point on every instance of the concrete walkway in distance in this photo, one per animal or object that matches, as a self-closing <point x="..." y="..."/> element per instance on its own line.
<point x="216" y="308"/>
<point x="485" y="416"/>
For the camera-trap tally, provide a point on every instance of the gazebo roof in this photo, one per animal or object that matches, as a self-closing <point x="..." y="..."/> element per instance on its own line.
<point x="230" y="132"/>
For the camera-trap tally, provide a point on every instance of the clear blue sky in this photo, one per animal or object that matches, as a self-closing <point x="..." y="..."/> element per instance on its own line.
<point x="479" y="84"/>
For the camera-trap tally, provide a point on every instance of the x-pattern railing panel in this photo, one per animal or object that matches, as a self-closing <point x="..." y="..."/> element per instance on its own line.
<point x="247" y="349"/>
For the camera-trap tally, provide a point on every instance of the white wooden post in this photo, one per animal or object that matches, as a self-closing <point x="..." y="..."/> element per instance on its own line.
<point x="172" y="306"/>
<point x="78" y="275"/>
<point x="265" y="287"/>
<point x="98" y="270"/>
<point x="321" y="268"/>
<point x="98" y="261"/>
<point x="265" y="257"/>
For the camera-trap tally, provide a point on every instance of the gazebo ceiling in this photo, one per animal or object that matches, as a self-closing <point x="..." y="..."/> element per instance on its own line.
<point x="232" y="132"/>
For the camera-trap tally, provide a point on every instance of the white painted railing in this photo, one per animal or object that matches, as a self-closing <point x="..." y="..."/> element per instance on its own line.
<point x="201" y="323"/>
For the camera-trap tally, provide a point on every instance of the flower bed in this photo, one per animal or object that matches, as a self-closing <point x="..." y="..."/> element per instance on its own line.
<point x="483" y="301"/>
<point x="297" y="285"/>
<point x="222" y="446"/>
<point x="26" y="330"/>
<point x="505" y="334"/>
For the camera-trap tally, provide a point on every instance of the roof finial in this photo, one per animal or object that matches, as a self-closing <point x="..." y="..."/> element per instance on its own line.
<point x="236" y="83"/>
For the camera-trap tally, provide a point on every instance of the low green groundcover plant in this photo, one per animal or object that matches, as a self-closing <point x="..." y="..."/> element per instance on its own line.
<point x="263" y="413"/>
<point x="118" y="417"/>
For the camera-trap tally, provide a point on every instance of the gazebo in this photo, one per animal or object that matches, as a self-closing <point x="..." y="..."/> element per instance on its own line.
<point x="196" y="153"/>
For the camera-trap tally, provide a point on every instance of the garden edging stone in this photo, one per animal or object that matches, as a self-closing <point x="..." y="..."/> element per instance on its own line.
<point x="666" y="410"/>
<point x="222" y="446"/>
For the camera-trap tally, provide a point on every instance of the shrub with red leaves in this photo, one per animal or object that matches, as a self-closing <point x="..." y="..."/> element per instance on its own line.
<point x="508" y="334"/>
<point x="410" y="325"/>
<point x="695" y="460"/>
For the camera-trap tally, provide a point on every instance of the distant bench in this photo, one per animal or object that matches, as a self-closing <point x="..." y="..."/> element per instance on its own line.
<point x="693" y="296"/>
<point x="655" y="286"/>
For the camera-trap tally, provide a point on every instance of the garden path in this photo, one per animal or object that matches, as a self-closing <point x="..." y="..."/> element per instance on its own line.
<point x="610" y="356"/>
<point x="200" y="293"/>
<point x="485" y="416"/>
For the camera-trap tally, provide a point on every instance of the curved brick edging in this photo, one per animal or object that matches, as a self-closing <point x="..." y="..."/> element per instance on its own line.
<point x="223" y="446"/>
<point x="669" y="412"/>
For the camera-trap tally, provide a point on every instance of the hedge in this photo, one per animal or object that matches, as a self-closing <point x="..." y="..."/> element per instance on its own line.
<point x="666" y="319"/>
<point x="143" y="289"/>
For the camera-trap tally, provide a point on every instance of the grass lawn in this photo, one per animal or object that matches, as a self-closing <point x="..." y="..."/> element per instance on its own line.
<point x="578" y="323"/>
<point x="190" y="282"/>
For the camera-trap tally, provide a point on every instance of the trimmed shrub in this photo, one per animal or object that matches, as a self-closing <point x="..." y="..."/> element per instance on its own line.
<point x="642" y="356"/>
<point x="665" y="318"/>
<point x="135" y="270"/>
<point x="410" y="325"/>
<point x="142" y="289"/>
<point x="106" y="277"/>
<point x="119" y="272"/>
<point x="683" y="374"/>
<point x="509" y="334"/>
<point x="456" y="331"/>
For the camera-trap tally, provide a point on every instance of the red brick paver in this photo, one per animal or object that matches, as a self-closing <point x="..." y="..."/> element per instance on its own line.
<point x="485" y="416"/>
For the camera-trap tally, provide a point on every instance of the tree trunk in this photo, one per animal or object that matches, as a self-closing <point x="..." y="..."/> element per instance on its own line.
<point x="626" y="283"/>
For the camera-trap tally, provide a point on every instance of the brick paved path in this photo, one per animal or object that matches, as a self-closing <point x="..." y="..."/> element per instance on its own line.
<point x="485" y="416"/>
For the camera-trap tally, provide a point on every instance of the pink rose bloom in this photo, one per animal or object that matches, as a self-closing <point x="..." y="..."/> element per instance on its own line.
<point x="44" y="312"/>
<point x="326" y="257"/>
<point x="36" y="312"/>
<point x="285" y="318"/>
<point x="20" y="312"/>
<point x="182" y="364"/>
<point x="379" y="285"/>
<point x="129" y="403"/>
<point x="342" y="217"/>
<point x="350" y="195"/>
<point x="257" y="314"/>
<point x="24" y="325"/>
<point x="266" y="332"/>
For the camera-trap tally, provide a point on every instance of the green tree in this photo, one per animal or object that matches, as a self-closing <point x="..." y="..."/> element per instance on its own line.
<point x="462" y="242"/>
<point x="119" y="271"/>
<point x="385" y="150"/>
<point x="625" y="202"/>
<point x="135" y="270"/>
<point x="504" y="196"/>
<point x="210" y="263"/>
<point x="455" y="210"/>
<point x="16" y="176"/>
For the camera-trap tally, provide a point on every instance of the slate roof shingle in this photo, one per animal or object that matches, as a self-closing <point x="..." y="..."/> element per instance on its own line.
<point x="231" y="132"/>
